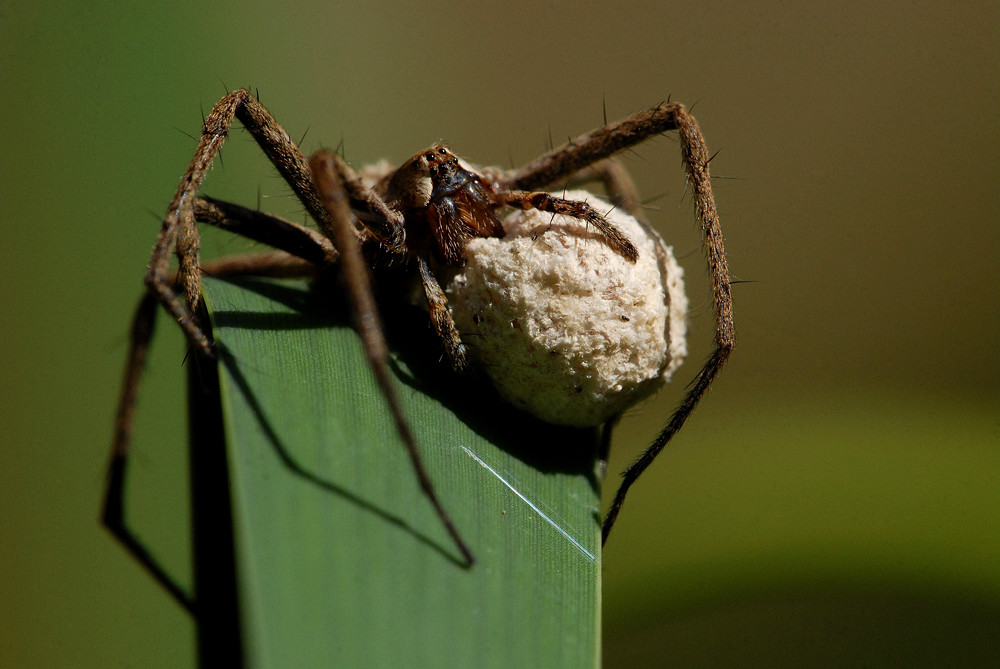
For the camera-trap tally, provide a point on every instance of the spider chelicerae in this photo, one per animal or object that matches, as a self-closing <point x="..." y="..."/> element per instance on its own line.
<point x="423" y="213"/>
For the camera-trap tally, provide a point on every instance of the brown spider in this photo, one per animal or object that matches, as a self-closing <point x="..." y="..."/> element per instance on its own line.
<point x="425" y="212"/>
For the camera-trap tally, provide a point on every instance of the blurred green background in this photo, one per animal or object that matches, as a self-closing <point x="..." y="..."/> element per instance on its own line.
<point x="836" y="498"/>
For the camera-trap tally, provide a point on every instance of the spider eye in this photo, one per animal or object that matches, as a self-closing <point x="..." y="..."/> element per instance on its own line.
<point x="454" y="160"/>
<point x="434" y="171"/>
<point x="443" y="151"/>
<point x="429" y="156"/>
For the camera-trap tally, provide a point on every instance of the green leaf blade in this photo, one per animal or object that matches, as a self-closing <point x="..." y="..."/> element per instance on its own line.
<point x="339" y="556"/>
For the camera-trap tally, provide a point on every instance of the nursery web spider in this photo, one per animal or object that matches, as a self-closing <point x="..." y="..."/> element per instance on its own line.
<point x="423" y="213"/>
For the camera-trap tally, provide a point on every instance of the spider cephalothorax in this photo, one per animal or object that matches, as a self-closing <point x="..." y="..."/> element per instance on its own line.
<point x="427" y="210"/>
<point x="444" y="205"/>
<point x="444" y="201"/>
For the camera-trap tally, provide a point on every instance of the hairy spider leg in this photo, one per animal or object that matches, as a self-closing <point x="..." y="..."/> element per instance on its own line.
<point x="179" y="235"/>
<point x="113" y="510"/>
<point x="563" y="162"/>
<point x="331" y="190"/>
<point x="581" y="210"/>
<point x="302" y="249"/>
<point x="441" y="319"/>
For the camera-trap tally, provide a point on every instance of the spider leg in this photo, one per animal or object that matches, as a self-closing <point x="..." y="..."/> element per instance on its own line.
<point x="180" y="292"/>
<point x="696" y="158"/>
<point x="441" y="319"/>
<point x="557" y="205"/>
<point x="310" y="249"/>
<point x="330" y="184"/>
<point x="113" y="512"/>
<point x="562" y="162"/>
<point x="179" y="234"/>
<point x="272" y="264"/>
<point x="292" y="238"/>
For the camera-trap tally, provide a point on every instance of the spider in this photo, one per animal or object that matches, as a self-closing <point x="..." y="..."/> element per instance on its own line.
<point x="425" y="213"/>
